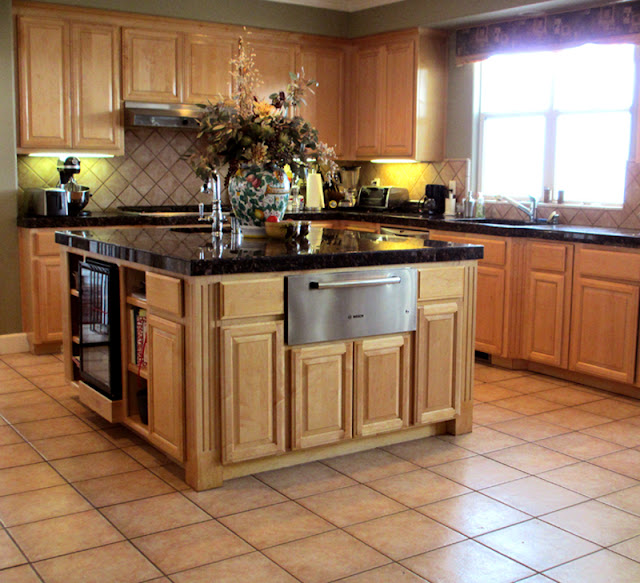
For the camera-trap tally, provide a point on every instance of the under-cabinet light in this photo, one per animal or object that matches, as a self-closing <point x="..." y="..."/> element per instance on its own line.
<point x="393" y="161"/>
<point x="67" y="154"/>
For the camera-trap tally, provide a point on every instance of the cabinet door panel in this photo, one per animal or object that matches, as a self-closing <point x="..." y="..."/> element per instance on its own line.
<point x="48" y="288"/>
<point x="436" y="391"/>
<point x="96" y="86"/>
<point x="253" y="391"/>
<point x="398" y="125"/>
<point x="152" y="65"/>
<point x="274" y="62"/>
<point x="490" y="309"/>
<point x="166" y="385"/>
<point x="321" y="389"/>
<point x="544" y="323"/>
<point x="382" y="384"/>
<point x="325" y="107"/>
<point x="207" y="68"/>
<point x="604" y="329"/>
<point x="43" y="83"/>
<point x="369" y="83"/>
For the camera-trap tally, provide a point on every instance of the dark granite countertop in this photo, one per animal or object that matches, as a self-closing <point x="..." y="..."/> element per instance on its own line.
<point x="567" y="233"/>
<point x="193" y="251"/>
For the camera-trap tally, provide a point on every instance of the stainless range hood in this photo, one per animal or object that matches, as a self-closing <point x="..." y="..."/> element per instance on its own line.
<point x="161" y="115"/>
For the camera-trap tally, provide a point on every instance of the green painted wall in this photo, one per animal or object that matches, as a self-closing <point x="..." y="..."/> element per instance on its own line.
<point x="10" y="321"/>
<point x="447" y="13"/>
<point x="257" y="13"/>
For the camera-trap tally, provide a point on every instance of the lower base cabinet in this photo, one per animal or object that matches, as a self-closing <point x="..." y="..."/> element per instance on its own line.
<point x="382" y="384"/>
<point x="604" y="329"/>
<point x="166" y="381"/>
<point x="437" y="360"/>
<point x="321" y="394"/>
<point x="252" y="384"/>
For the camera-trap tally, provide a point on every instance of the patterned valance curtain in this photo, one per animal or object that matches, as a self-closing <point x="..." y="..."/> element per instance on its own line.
<point x="612" y="23"/>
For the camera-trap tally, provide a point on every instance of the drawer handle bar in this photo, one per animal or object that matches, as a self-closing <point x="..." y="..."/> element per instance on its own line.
<point x="354" y="282"/>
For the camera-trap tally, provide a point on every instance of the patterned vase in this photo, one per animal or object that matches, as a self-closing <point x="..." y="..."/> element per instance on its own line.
<point x="257" y="194"/>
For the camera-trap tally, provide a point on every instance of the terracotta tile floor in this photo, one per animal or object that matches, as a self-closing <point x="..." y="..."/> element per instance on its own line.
<point x="546" y="488"/>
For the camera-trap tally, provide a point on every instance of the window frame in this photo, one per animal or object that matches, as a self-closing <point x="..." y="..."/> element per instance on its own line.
<point x="551" y="115"/>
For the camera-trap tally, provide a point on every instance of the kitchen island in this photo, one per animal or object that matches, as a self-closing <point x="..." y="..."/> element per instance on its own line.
<point x="220" y="390"/>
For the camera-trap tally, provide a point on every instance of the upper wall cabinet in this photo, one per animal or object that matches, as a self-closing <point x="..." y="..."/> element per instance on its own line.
<point x="206" y="67"/>
<point x="68" y="85"/>
<point x="274" y="61"/>
<point x="324" y="108"/>
<point x="152" y="65"/>
<point x="399" y="95"/>
<point x="175" y="67"/>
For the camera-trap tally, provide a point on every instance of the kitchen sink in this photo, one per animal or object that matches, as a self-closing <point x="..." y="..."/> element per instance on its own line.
<point x="166" y="211"/>
<point x="502" y="222"/>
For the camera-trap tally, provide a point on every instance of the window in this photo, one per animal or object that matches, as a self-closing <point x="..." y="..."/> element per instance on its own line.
<point x="561" y="120"/>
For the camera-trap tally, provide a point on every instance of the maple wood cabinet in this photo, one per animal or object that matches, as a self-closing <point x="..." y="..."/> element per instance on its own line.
<point x="399" y="95"/>
<point x="252" y="370"/>
<point x="152" y="65"/>
<point x="68" y="76"/>
<point x="382" y="384"/>
<point x="325" y="107"/>
<point x="206" y="67"/>
<point x="40" y="281"/>
<point x="494" y="289"/>
<point x="438" y="345"/>
<point x="547" y="302"/>
<point x="321" y="394"/>
<point x="166" y="385"/>
<point x="604" y="321"/>
<point x="170" y="66"/>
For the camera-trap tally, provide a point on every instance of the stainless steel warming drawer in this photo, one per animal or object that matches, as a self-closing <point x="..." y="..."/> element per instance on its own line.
<point x="332" y="306"/>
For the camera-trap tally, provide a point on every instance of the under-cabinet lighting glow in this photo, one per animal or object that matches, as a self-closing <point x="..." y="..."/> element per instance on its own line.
<point x="67" y="154"/>
<point x="393" y="161"/>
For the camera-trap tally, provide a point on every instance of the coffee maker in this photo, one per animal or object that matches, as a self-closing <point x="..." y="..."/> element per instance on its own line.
<point x="434" y="197"/>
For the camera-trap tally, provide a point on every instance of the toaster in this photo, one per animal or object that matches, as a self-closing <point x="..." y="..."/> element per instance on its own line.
<point x="381" y="197"/>
<point x="48" y="202"/>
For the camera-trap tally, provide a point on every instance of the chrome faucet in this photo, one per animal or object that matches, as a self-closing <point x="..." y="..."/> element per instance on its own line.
<point x="212" y="187"/>
<point x="530" y="211"/>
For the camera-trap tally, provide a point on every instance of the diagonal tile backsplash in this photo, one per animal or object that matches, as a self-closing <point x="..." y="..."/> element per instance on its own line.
<point x="154" y="171"/>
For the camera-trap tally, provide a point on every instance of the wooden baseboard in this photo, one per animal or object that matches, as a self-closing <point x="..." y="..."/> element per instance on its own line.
<point x="12" y="343"/>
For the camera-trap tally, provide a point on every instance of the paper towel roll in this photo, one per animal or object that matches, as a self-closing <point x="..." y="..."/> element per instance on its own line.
<point x="315" y="197"/>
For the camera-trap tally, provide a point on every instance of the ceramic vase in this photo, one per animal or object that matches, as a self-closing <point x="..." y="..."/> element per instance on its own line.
<point x="256" y="194"/>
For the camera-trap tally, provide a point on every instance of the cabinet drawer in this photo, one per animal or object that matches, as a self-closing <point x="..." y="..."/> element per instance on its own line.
<point x="255" y="297"/>
<point x="495" y="252"/>
<point x="44" y="243"/>
<point x="548" y="257"/>
<point x="438" y="283"/>
<point x="164" y="293"/>
<point x="606" y="264"/>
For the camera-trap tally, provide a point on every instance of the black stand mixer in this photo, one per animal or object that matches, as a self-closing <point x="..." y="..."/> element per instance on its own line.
<point x="77" y="196"/>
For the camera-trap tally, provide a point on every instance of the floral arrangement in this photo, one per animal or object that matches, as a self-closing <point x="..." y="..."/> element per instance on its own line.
<point x="243" y="130"/>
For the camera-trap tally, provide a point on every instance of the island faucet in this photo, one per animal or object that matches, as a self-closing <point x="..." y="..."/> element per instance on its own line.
<point x="531" y="211"/>
<point x="212" y="187"/>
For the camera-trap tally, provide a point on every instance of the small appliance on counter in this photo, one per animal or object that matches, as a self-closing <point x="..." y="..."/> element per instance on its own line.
<point x="381" y="197"/>
<point x="67" y="199"/>
<point x="434" y="199"/>
<point x="348" y="179"/>
<point x="77" y="195"/>
<point x="48" y="202"/>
